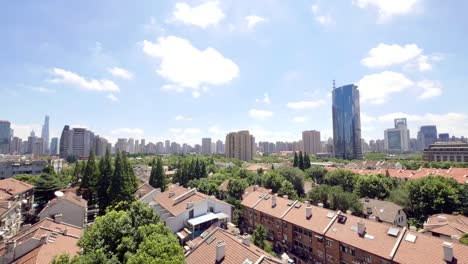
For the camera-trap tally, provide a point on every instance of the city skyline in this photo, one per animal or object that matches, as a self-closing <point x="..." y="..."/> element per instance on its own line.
<point x="126" y="72"/>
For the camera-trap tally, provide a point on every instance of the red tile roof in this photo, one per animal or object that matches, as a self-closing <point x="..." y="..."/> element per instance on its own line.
<point x="13" y="187"/>
<point x="319" y="221"/>
<point x="448" y="225"/>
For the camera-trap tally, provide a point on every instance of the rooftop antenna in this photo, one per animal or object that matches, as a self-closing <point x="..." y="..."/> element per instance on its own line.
<point x="334" y="85"/>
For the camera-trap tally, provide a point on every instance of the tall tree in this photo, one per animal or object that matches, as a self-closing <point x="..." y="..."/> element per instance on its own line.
<point x="296" y="161"/>
<point x="157" y="178"/>
<point x="306" y="161"/>
<point x="90" y="178"/>
<point x="288" y="189"/>
<point x="77" y="173"/>
<point x="236" y="188"/>
<point x="301" y="161"/>
<point x="104" y="182"/>
<point x="259" y="236"/>
<point x="123" y="185"/>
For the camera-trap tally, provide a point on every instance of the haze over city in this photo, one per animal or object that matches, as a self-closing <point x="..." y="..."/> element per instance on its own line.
<point x="183" y="71"/>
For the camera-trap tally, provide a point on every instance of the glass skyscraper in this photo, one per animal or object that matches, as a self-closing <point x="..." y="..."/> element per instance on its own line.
<point x="347" y="122"/>
<point x="427" y="135"/>
<point x="5" y="135"/>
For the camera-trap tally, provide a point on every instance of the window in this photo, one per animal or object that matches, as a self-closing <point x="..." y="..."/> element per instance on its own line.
<point x="367" y="259"/>
<point x="190" y="214"/>
<point x="348" y="250"/>
<point x="320" y="254"/>
<point x="329" y="243"/>
<point x="211" y="209"/>
<point x="285" y="225"/>
<point x="319" y="239"/>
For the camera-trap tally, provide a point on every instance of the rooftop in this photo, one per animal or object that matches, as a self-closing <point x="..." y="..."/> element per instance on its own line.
<point x="10" y="187"/>
<point x="68" y="196"/>
<point x="236" y="252"/>
<point x="319" y="221"/>
<point x="448" y="225"/>
<point x="384" y="210"/>
<point x="143" y="190"/>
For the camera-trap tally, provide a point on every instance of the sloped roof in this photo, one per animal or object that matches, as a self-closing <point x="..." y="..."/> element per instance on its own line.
<point x="447" y="225"/>
<point x="384" y="210"/>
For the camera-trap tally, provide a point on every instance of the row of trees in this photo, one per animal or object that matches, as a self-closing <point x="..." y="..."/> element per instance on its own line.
<point x="129" y="233"/>
<point x="302" y="161"/>
<point x="189" y="170"/>
<point x="105" y="184"/>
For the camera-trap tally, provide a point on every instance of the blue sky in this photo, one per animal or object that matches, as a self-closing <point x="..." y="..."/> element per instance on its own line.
<point x="186" y="70"/>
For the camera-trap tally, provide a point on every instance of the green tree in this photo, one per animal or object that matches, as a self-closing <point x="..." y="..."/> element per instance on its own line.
<point x="464" y="239"/>
<point x="343" y="178"/>
<point x="157" y="178"/>
<point x="288" y="189"/>
<point x="335" y="198"/>
<point x="123" y="184"/>
<point x="372" y="186"/>
<point x="320" y="194"/>
<point x="46" y="185"/>
<point x="400" y="196"/>
<point x="306" y="161"/>
<point x="236" y="188"/>
<point x="273" y="180"/>
<point x="296" y="160"/>
<point x="79" y="168"/>
<point x="158" y="248"/>
<point x="296" y="177"/>
<point x="90" y="178"/>
<point x="259" y="235"/>
<point x="316" y="174"/>
<point x="104" y="182"/>
<point x="300" y="162"/>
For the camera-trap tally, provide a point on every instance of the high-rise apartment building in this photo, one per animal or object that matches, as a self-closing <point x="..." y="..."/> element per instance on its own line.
<point x="219" y="147"/>
<point x="397" y="140"/>
<point x="54" y="146"/>
<point x="167" y="146"/>
<point x="240" y="145"/>
<point x="444" y="137"/>
<point x="160" y="148"/>
<point x="66" y="142"/>
<point x="143" y="146"/>
<point x="82" y="142"/>
<point x="5" y="136"/>
<point x="427" y="136"/>
<point x="311" y="142"/>
<point x="346" y="122"/>
<point x="206" y="146"/>
<point x="137" y="147"/>
<point x="45" y="135"/>
<point x="15" y="145"/>
<point x="100" y="146"/>
<point x="131" y="146"/>
<point x="121" y="145"/>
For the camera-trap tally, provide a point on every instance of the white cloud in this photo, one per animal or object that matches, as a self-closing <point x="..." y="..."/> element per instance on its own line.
<point x="127" y="131"/>
<point x="196" y="94"/>
<point x="389" y="8"/>
<point x="266" y="99"/>
<point x="430" y="89"/>
<point x="43" y="90"/>
<point x="188" y="67"/>
<point x="377" y="88"/>
<point x="182" y="118"/>
<point x="121" y="73"/>
<point x="253" y="20"/>
<point x="204" y="15"/>
<point x="306" y="104"/>
<point x="260" y="114"/>
<point x="321" y="18"/>
<point x="385" y="55"/>
<point x="365" y="118"/>
<point x="112" y="98"/>
<point x="299" y="119"/>
<point x="71" y="78"/>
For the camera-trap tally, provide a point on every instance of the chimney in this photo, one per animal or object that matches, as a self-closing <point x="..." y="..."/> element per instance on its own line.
<point x="171" y="194"/>
<point x="361" y="226"/>
<point x="43" y="239"/>
<point x="65" y="231"/>
<point x="58" y="218"/>
<point x="246" y="240"/>
<point x="448" y="251"/>
<point x="320" y="205"/>
<point x="308" y="212"/>
<point x="273" y="201"/>
<point x="220" y="251"/>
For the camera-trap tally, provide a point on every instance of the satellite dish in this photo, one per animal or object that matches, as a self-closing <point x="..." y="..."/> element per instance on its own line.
<point x="58" y="193"/>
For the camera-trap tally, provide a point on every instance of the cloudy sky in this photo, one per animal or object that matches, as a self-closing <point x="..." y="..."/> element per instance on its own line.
<point x="185" y="70"/>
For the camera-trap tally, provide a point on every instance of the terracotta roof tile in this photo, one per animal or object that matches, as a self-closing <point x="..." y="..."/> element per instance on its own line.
<point x="13" y="187"/>
<point x="447" y="225"/>
<point x="265" y="205"/>
<point x="384" y="210"/>
<point x="143" y="190"/>
<point x="320" y="219"/>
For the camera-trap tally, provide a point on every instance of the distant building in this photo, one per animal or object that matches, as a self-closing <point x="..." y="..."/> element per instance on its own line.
<point x="447" y="226"/>
<point x="15" y="146"/>
<point x="206" y="146"/>
<point x="347" y="122"/>
<point x="66" y="142"/>
<point x="11" y="168"/>
<point x="384" y="211"/>
<point x="397" y="139"/>
<point x="444" y="137"/>
<point x="219" y="147"/>
<point x="240" y="145"/>
<point x="121" y="145"/>
<point x="82" y="142"/>
<point x="100" y="146"/>
<point x="167" y="146"/>
<point x="441" y="151"/>
<point x="54" y="146"/>
<point x="45" y="136"/>
<point x="5" y="135"/>
<point x="427" y="135"/>
<point x="311" y="141"/>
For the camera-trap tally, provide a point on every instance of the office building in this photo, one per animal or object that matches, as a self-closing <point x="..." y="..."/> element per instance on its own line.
<point x="427" y="135"/>
<point x="397" y="139"/>
<point x="45" y="135"/>
<point x="444" y="137"/>
<point x="311" y="142"/>
<point x="82" y="142"/>
<point x="346" y="122"/>
<point x="15" y="146"/>
<point x="54" y="146"/>
<point x="206" y="146"/>
<point x="240" y="145"/>
<point x="442" y="151"/>
<point x="5" y="135"/>
<point x="66" y="142"/>
<point x="100" y="146"/>
<point x="197" y="148"/>
<point x="175" y="148"/>
<point x="219" y="147"/>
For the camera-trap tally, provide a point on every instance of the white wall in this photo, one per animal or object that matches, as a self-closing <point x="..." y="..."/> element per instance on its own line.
<point x="72" y="214"/>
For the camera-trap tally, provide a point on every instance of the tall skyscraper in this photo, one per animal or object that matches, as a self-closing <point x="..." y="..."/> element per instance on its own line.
<point x="206" y="146"/>
<point x="397" y="140"/>
<point x="167" y="146"/>
<point x="427" y="135"/>
<point x="311" y="141"/>
<point x="66" y="142"/>
<point x="143" y="146"/>
<point x="219" y="147"/>
<point x="347" y="122"/>
<point x="131" y="146"/>
<point x="54" y="146"/>
<point x="240" y="145"/>
<point x="121" y="145"/>
<point x="82" y="142"/>
<point x="15" y="146"/>
<point x="444" y="137"/>
<point x="45" y="135"/>
<point x="5" y="135"/>
<point x="100" y="146"/>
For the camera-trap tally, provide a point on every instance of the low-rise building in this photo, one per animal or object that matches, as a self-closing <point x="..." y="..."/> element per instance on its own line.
<point x="188" y="211"/>
<point x="447" y="226"/>
<point x="221" y="246"/>
<point x="40" y="243"/>
<point x="443" y="151"/>
<point x="69" y="207"/>
<point x="384" y="211"/>
<point x="11" y="168"/>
